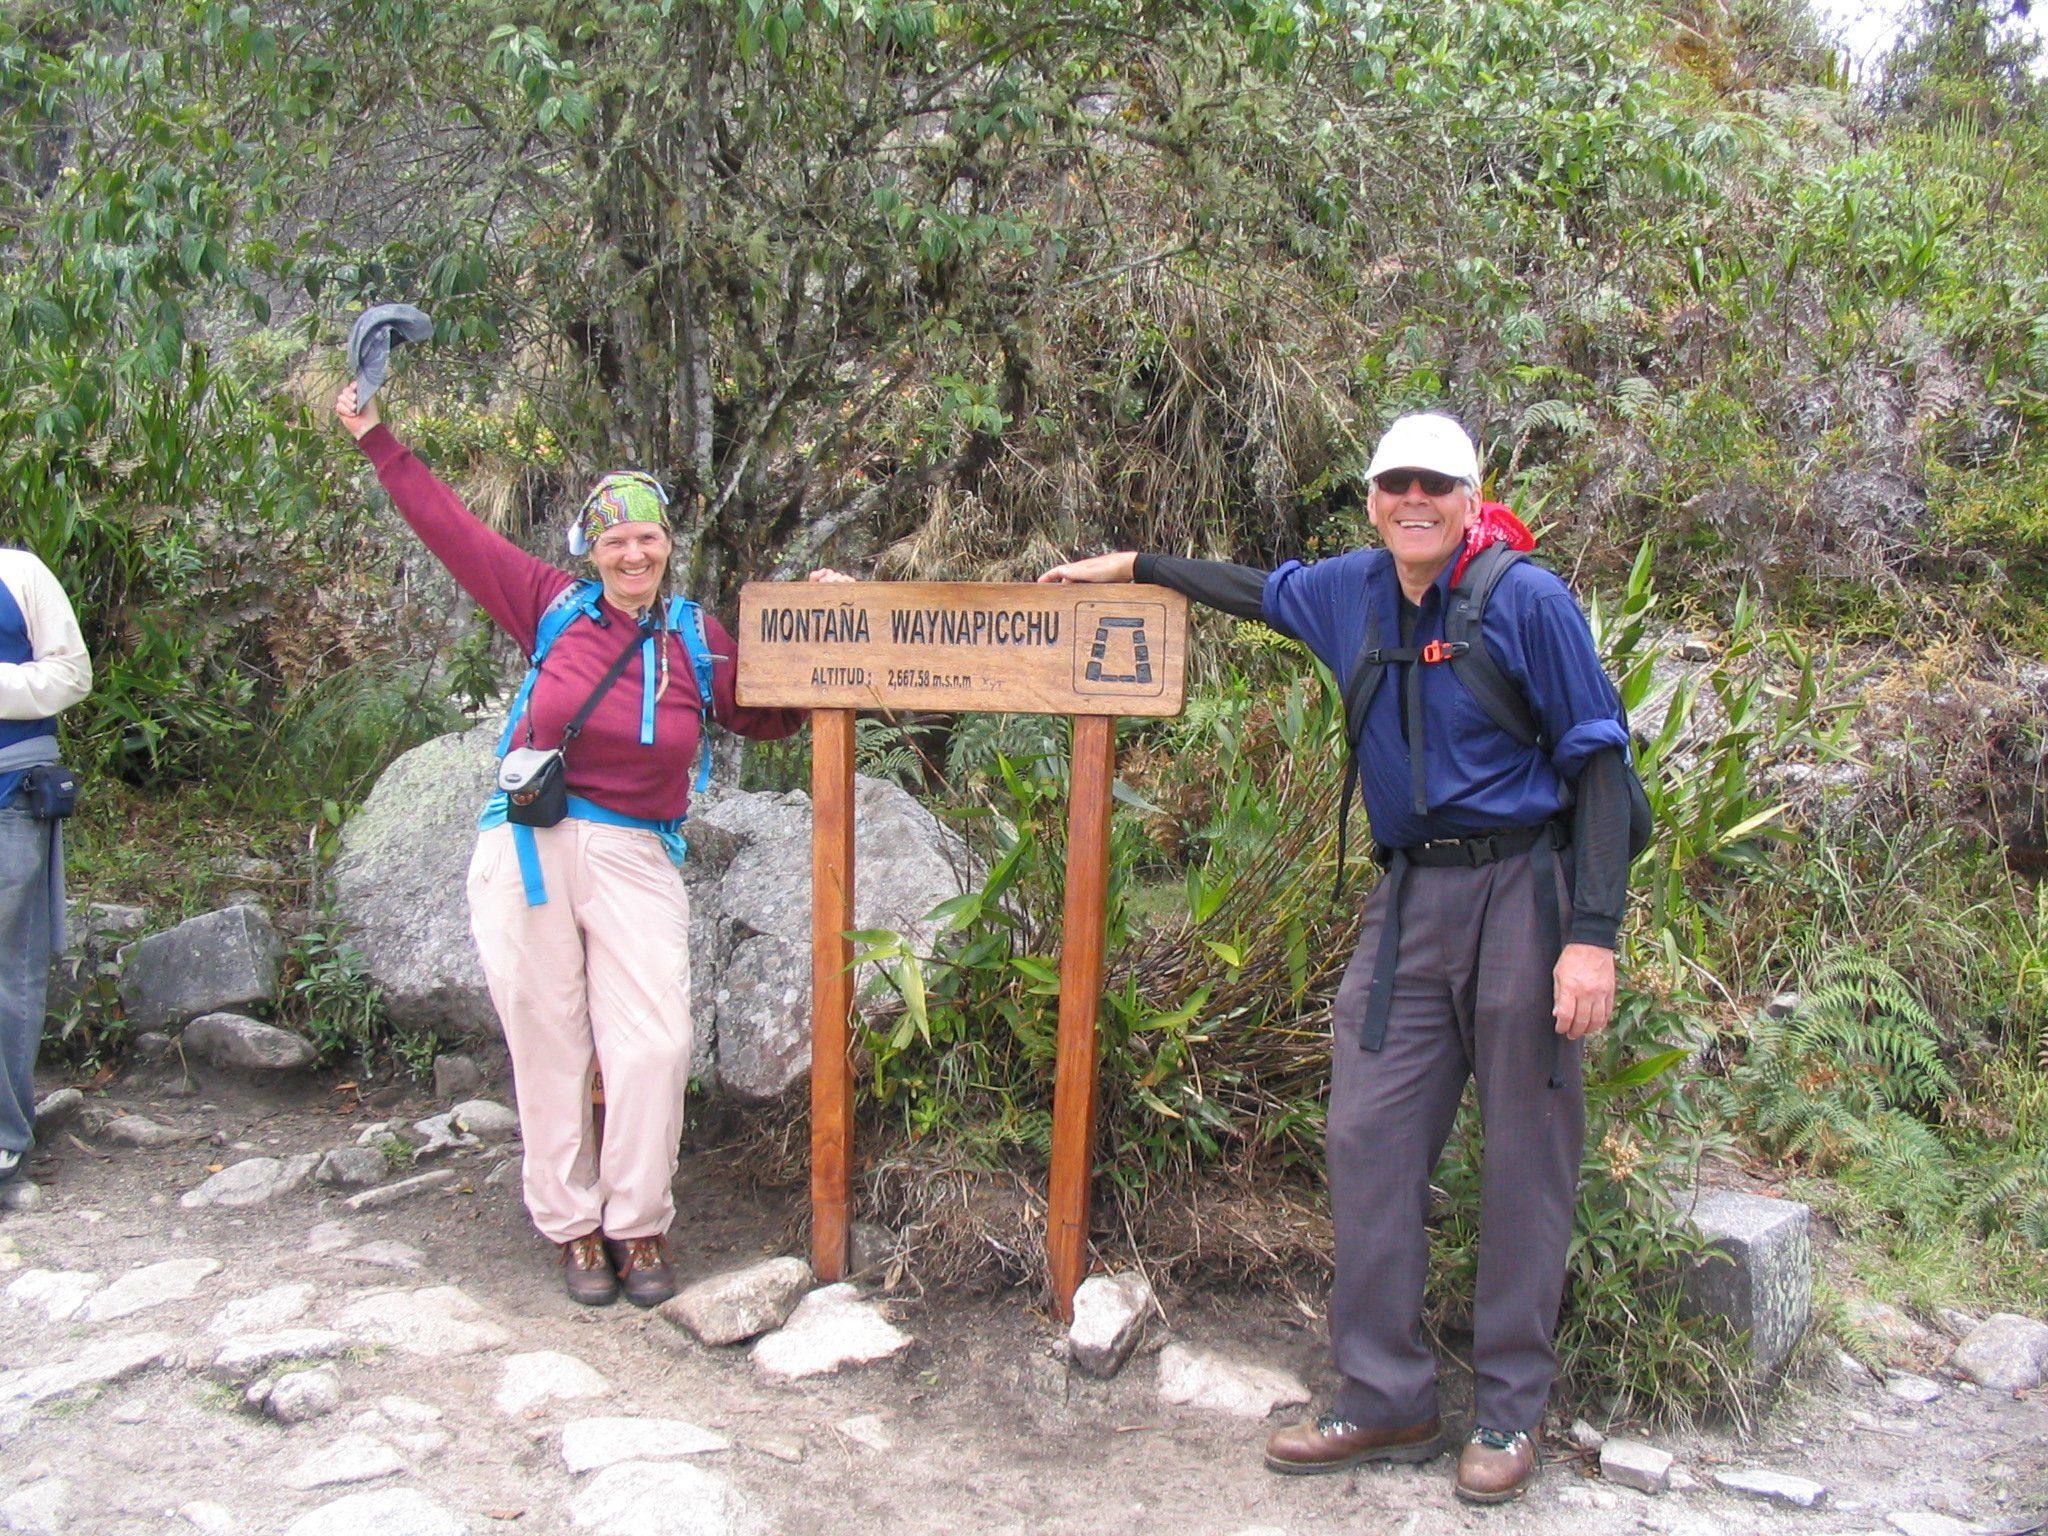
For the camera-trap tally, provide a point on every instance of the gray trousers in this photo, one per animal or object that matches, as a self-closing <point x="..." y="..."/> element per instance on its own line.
<point x="1472" y="996"/>
<point x="24" y="967"/>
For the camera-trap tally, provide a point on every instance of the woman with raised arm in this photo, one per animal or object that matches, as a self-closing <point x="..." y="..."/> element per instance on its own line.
<point x="576" y="893"/>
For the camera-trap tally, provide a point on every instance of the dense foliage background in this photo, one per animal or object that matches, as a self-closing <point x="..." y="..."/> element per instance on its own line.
<point x="951" y="290"/>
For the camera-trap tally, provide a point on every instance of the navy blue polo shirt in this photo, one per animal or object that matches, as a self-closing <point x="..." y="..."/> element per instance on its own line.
<point x="1477" y="777"/>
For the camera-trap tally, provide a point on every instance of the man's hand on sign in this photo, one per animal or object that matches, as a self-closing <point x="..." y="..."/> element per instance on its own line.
<point x="357" y="422"/>
<point x="1121" y="566"/>
<point x="829" y="576"/>
<point x="1583" y="985"/>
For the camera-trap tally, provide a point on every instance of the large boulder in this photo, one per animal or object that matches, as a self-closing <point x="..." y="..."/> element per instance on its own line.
<point x="216" y="962"/>
<point x="400" y="885"/>
<point x="905" y="862"/>
<point x="400" y="882"/>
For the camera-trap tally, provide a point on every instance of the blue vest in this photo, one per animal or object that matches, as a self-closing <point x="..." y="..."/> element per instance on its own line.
<point x="15" y="647"/>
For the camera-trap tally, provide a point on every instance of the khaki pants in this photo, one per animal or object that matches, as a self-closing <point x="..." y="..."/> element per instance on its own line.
<point x="597" y="978"/>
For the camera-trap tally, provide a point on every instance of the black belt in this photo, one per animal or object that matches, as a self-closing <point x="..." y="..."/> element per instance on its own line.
<point x="1461" y="853"/>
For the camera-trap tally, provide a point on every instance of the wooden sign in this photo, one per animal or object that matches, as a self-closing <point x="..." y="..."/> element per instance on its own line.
<point x="1091" y="651"/>
<point x="999" y="647"/>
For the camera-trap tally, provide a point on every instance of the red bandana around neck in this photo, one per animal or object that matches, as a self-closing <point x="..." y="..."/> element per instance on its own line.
<point x="1496" y="525"/>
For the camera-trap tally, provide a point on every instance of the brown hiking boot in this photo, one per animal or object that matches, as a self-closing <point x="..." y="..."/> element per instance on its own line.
<point x="1496" y="1466"/>
<point x="1331" y="1444"/>
<point x="644" y="1268"/>
<point x="587" y="1272"/>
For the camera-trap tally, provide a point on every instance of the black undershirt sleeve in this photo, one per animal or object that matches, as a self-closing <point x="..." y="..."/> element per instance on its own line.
<point x="1600" y="848"/>
<point x="1235" y="589"/>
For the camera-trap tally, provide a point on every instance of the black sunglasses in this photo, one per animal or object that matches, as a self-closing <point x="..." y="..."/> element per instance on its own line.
<point x="1395" y="482"/>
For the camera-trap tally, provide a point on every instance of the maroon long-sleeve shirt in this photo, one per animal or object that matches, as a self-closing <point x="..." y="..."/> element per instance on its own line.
<point x="606" y="763"/>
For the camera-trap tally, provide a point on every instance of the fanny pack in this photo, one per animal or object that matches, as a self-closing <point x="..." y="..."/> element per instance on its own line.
<point x="535" y="780"/>
<point x="49" y="791"/>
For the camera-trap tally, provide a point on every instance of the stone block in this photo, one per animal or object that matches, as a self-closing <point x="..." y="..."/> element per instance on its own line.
<point x="1634" y="1464"/>
<point x="1759" y="1276"/>
<point x="219" y="961"/>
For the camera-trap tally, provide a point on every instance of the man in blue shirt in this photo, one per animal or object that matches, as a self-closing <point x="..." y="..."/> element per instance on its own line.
<point x="43" y="669"/>
<point x="1467" y="962"/>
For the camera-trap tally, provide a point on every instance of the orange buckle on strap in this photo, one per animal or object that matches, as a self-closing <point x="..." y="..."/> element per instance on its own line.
<point x="1438" y="650"/>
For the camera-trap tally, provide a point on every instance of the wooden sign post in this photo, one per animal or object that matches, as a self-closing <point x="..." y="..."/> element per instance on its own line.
<point x="1091" y="652"/>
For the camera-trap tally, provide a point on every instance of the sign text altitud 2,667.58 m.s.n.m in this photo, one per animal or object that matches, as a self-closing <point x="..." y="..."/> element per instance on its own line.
<point x="1008" y="648"/>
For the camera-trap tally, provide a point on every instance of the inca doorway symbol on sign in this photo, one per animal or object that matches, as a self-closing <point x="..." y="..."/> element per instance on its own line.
<point x="1121" y="657"/>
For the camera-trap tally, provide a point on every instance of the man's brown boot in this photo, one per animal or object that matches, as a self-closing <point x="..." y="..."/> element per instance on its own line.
<point x="587" y="1272"/>
<point x="1496" y="1466"/>
<point x="644" y="1268"/>
<point x="1331" y="1444"/>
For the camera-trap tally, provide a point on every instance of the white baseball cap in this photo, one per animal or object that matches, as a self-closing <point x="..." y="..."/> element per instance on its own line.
<point x="1427" y="440"/>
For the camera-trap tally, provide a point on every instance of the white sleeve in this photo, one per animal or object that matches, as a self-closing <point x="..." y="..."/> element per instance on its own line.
<point x="60" y="673"/>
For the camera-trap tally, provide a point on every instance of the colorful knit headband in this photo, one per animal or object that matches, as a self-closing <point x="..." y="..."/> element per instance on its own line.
<point x="624" y="496"/>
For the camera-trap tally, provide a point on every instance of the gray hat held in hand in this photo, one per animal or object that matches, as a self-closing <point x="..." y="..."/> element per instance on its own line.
<point x="376" y="332"/>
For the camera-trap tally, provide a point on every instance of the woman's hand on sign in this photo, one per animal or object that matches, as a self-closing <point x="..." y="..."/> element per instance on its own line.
<point x="1583" y="990"/>
<point x="358" y="422"/>
<point x="831" y="577"/>
<point x="1121" y="566"/>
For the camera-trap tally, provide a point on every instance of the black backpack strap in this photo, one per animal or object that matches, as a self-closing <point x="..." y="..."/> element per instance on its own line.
<point x="1498" y="694"/>
<point x="604" y="684"/>
<point x="1359" y="688"/>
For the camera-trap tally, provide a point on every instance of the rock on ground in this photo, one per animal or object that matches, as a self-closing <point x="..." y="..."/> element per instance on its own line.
<point x="485" y="1118"/>
<point x="1634" y="1464"/>
<point x="543" y="1376"/>
<point x="235" y="1043"/>
<point x="354" y="1458"/>
<point x="1907" y="1387"/>
<point x="1760" y="1274"/>
<point x="1197" y="1378"/>
<point x="1918" y="1522"/>
<point x="251" y="1181"/>
<point x="221" y="960"/>
<point x="1777" y="1487"/>
<point x="97" y="1365"/>
<point x="439" y="1320"/>
<point x="588" y="1444"/>
<point x="2006" y="1352"/>
<point x="739" y="1303"/>
<point x="386" y="1512"/>
<point x="404" y="1189"/>
<point x="387" y="1253"/>
<point x="303" y="1395"/>
<point x="1110" y="1312"/>
<point x="350" y="1167"/>
<point x="139" y="1131"/>
<point x="59" y="1109"/>
<point x="830" y="1328"/>
<point x="668" y="1498"/>
<point x="399" y="882"/>
<point x="39" y="1508"/>
<point x="57" y="1293"/>
<point x="456" y="1074"/>
<point x="242" y="1359"/>
<point x="1887" y="1326"/>
<point x="151" y="1286"/>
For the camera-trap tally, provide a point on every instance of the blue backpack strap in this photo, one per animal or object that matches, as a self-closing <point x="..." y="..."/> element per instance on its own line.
<point x="577" y="597"/>
<point x="687" y="620"/>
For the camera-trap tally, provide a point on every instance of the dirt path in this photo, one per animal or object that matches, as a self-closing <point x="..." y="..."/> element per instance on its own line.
<point x="985" y="1432"/>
